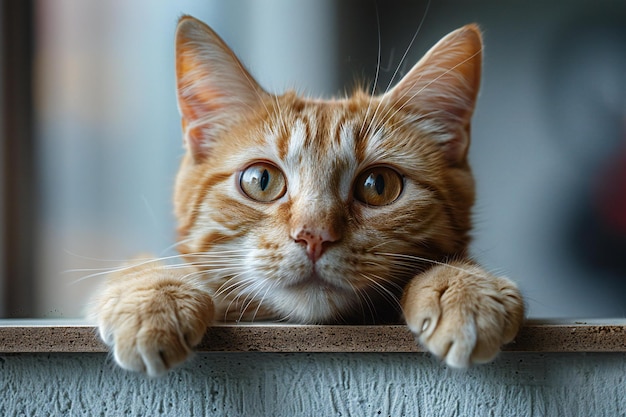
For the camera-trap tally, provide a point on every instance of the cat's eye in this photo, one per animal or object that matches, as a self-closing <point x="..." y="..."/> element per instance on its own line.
<point x="263" y="182"/>
<point x="378" y="186"/>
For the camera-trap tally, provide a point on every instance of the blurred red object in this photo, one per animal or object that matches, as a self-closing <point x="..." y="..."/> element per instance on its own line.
<point x="612" y="194"/>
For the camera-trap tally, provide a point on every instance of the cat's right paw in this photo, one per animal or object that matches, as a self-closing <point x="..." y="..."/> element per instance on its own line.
<point x="151" y="318"/>
<point x="463" y="314"/>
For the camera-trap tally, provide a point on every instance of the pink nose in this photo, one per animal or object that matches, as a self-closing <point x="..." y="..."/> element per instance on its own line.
<point x="316" y="240"/>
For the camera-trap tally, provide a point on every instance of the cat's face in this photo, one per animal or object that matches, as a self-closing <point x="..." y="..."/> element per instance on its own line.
<point x="313" y="210"/>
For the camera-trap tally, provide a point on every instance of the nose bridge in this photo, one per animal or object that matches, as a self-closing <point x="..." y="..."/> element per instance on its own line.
<point x="317" y="212"/>
<point x="317" y="199"/>
<point x="316" y="221"/>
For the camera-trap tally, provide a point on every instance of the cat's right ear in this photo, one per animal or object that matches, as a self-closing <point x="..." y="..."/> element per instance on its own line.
<point x="213" y="87"/>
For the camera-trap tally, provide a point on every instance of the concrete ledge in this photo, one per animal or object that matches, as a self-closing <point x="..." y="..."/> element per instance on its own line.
<point x="52" y="368"/>
<point x="537" y="336"/>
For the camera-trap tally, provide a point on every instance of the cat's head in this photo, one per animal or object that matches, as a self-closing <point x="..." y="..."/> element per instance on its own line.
<point x="316" y="210"/>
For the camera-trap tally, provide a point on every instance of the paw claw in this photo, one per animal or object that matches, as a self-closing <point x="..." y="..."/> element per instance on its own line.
<point x="478" y="314"/>
<point x="154" y="321"/>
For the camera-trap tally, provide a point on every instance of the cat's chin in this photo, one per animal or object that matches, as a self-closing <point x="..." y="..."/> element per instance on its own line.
<point x="313" y="282"/>
<point x="313" y="300"/>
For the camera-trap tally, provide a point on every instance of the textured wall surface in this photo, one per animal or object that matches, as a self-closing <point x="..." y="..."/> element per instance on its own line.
<point x="279" y="384"/>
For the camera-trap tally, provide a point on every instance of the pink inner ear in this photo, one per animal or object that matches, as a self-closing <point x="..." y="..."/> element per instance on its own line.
<point x="196" y="97"/>
<point x="214" y="89"/>
<point x="456" y="148"/>
<point x="196" y="143"/>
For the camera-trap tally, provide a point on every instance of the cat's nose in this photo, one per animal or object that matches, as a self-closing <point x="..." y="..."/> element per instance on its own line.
<point x="316" y="240"/>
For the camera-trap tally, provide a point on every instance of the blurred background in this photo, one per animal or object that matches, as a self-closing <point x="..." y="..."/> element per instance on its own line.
<point x="91" y="137"/>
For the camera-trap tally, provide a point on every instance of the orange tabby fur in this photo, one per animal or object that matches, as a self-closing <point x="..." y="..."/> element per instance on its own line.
<point x="315" y="253"/>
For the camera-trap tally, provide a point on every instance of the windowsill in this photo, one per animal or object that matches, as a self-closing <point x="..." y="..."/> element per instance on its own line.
<point x="33" y="336"/>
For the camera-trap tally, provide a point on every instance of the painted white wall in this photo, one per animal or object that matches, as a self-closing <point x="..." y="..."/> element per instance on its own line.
<point x="290" y="385"/>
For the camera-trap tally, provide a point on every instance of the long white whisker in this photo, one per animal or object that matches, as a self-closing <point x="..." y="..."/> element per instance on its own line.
<point x="88" y="258"/>
<point x="431" y="261"/>
<point x="429" y="83"/>
<point x="227" y="285"/>
<point x="382" y="290"/>
<point x="393" y="77"/>
<point x="406" y="52"/>
<point x="127" y="267"/>
<point x="369" y="103"/>
<point x="250" y="298"/>
<point x="269" y="288"/>
<point x="388" y="282"/>
<point x="175" y="245"/>
<point x="363" y="296"/>
<point x="214" y="260"/>
<point x="281" y="117"/>
<point x="194" y="274"/>
<point x="245" y="284"/>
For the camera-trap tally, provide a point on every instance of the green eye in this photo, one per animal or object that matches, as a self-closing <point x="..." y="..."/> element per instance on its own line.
<point x="263" y="182"/>
<point x="378" y="186"/>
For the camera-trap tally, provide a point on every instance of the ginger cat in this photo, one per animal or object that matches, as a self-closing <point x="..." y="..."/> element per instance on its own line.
<point x="352" y="210"/>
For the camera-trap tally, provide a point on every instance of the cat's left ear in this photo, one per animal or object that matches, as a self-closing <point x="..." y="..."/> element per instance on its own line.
<point x="214" y="89"/>
<point x="441" y="89"/>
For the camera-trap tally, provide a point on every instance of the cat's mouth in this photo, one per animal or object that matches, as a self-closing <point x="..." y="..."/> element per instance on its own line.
<point x="315" y="281"/>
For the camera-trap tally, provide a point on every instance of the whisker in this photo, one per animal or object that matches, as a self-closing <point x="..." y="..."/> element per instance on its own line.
<point x="369" y="103"/>
<point x="88" y="258"/>
<point x="253" y="85"/>
<point x="222" y="290"/>
<point x="240" y="286"/>
<point x="251" y="297"/>
<point x="428" y="84"/>
<point x="382" y="290"/>
<point x="406" y="52"/>
<point x="193" y="274"/>
<point x="106" y="271"/>
<point x="363" y="296"/>
<point x="175" y="245"/>
<point x="219" y="261"/>
<point x="281" y="117"/>
<point x="431" y="261"/>
<point x="389" y="282"/>
<point x="381" y="244"/>
<point x="247" y="290"/>
<point x="269" y="288"/>
<point x="374" y="121"/>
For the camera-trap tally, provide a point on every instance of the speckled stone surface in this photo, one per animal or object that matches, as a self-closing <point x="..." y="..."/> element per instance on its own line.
<point x="46" y="336"/>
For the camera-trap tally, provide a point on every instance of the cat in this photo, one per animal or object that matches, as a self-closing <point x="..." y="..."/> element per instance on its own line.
<point x="349" y="210"/>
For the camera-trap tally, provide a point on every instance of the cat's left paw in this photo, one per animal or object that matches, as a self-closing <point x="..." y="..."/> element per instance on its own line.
<point x="151" y="316"/>
<point x="462" y="314"/>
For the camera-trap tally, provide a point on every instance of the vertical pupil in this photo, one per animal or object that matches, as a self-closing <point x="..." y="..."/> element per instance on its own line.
<point x="265" y="179"/>
<point x="379" y="184"/>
